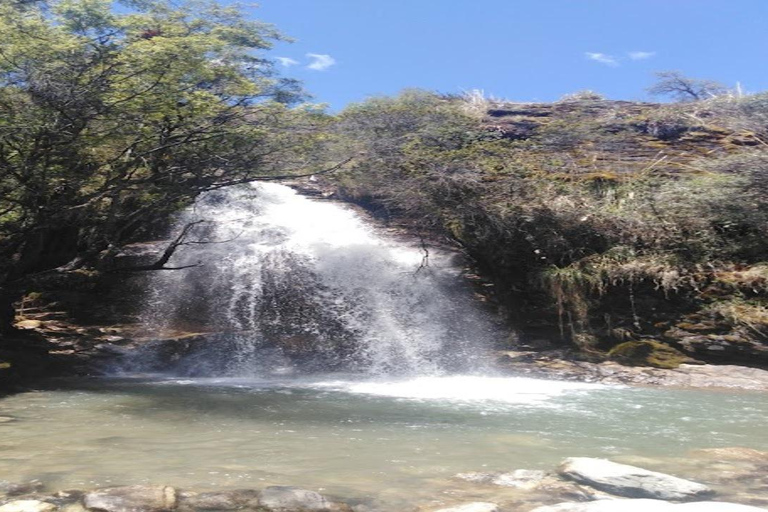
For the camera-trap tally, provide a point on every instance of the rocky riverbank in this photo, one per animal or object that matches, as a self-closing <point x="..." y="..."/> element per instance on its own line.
<point x="560" y="365"/>
<point x="579" y="484"/>
<point x="57" y="347"/>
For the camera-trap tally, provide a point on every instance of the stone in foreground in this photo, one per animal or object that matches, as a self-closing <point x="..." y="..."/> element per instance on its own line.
<point x="134" y="498"/>
<point x="27" y="506"/>
<point x="293" y="499"/>
<point x="631" y="481"/>
<point x="645" y="505"/>
<point x="219" y="501"/>
<point x="477" y="506"/>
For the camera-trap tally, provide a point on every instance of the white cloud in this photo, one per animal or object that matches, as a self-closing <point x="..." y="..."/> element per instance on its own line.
<point x="602" y="58"/>
<point x="320" y="62"/>
<point x="286" y="61"/>
<point x="641" y="55"/>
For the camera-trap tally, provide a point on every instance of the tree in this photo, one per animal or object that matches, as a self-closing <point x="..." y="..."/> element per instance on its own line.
<point x="682" y="88"/>
<point x="111" y="119"/>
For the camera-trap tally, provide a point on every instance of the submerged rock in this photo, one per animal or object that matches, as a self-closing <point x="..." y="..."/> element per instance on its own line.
<point x="630" y="481"/>
<point x="225" y="500"/>
<point x="17" y="489"/>
<point x="518" y="479"/>
<point x="647" y="505"/>
<point x="134" y="498"/>
<point x="477" y="506"/>
<point x="294" y="499"/>
<point x="27" y="506"/>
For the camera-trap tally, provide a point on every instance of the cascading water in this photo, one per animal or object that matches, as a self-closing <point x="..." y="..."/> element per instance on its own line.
<point x="286" y="281"/>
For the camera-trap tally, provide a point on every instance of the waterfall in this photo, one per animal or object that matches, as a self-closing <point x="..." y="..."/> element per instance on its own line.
<point x="280" y="281"/>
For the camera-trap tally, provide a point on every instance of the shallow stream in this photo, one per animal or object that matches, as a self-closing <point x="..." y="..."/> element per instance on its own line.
<point x="392" y="443"/>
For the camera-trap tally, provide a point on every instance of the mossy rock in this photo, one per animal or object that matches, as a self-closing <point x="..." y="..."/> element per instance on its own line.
<point x="648" y="353"/>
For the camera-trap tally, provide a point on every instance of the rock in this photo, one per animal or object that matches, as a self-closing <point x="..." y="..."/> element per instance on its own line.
<point x="134" y="498"/>
<point x="294" y="499"/>
<point x="477" y="506"/>
<point x="518" y="479"/>
<point x="29" y="324"/>
<point x="646" y="505"/>
<point x="73" y="507"/>
<point x="648" y="353"/>
<point x="225" y="500"/>
<point x="27" y="506"/>
<point x="630" y="481"/>
<point x="535" y="481"/>
<point x="16" y="489"/>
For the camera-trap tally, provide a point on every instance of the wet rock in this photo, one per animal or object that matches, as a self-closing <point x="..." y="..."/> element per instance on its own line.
<point x="518" y="479"/>
<point x="27" y="506"/>
<point x="134" y="498"/>
<point x="73" y="507"/>
<point x="295" y="499"/>
<point x="647" y="505"/>
<point x="630" y="481"/>
<point x="536" y="481"/>
<point x="648" y="353"/>
<point x="477" y="506"/>
<point x="225" y="500"/>
<point x="684" y="376"/>
<point x="17" y="489"/>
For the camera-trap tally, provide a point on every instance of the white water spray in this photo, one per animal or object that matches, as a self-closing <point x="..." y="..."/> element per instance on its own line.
<point x="283" y="278"/>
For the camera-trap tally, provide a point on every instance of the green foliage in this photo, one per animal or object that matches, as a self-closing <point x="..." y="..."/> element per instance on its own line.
<point x="111" y="119"/>
<point x="563" y="222"/>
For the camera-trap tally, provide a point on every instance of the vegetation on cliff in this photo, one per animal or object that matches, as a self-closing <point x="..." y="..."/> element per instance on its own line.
<point x="608" y="221"/>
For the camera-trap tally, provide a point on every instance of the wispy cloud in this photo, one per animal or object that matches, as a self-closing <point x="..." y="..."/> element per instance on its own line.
<point x="641" y="55"/>
<point x="602" y="58"/>
<point x="286" y="61"/>
<point x="320" y="61"/>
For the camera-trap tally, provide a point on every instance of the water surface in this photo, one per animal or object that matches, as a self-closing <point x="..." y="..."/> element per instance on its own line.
<point x="394" y="441"/>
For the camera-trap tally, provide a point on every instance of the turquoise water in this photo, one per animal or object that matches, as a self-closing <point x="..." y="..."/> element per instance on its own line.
<point x="396" y="443"/>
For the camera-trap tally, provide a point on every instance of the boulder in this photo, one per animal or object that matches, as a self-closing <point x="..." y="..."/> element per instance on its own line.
<point x="224" y="500"/>
<point x="477" y="506"/>
<point x="294" y="499"/>
<point x="646" y="505"/>
<point x="630" y="481"/>
<point x="27" y="506"/>
<point x="134" y="498"/>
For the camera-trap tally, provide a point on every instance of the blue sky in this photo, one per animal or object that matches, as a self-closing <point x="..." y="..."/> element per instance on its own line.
<point x="525" y="50"/>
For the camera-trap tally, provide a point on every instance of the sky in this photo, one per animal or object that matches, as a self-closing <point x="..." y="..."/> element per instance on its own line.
<point x="522" y="50"/>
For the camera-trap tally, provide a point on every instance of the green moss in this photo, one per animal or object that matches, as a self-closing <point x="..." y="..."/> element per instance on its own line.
<point x="648" y="353"/>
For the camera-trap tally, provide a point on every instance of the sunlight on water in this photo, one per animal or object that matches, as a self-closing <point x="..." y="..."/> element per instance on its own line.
<point x="462" y="388"/>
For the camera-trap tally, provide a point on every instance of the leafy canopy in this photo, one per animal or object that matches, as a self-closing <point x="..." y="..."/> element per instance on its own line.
<point x="113" y="114"/>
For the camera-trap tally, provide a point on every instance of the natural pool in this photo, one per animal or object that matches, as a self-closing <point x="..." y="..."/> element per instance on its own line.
<point x="393" y="443"/>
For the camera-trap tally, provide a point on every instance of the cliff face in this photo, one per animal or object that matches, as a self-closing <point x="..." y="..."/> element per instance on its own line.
<point x="598" y="223"/>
